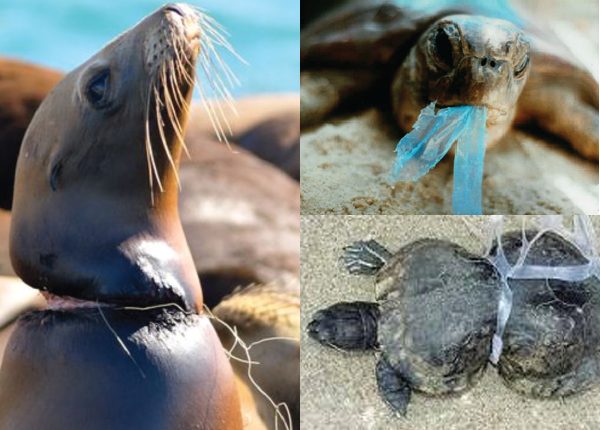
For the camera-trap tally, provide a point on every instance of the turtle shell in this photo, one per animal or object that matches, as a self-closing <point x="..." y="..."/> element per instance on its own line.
<point x="378" y="33"/>
<point x="438" y="314"/>
<point x="552" y="337"/>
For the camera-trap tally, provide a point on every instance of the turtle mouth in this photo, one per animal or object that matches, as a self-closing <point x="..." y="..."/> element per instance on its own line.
<point x="494" y="114"/>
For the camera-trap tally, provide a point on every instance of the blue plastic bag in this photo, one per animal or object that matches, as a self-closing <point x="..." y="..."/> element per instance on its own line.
<point x="431" y="138"/>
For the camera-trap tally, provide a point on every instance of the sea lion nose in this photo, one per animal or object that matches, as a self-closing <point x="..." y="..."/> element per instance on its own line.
<point x="174" y="7"/>
<point x="489" y="62"/>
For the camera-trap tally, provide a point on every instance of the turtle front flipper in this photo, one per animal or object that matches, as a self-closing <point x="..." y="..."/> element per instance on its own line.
<point x="321" y="91"/>
<point x="366" y="257"/>
<point x="348" y="326"/>
<point x="394" y="389"/>
<point x="563" y="99"/>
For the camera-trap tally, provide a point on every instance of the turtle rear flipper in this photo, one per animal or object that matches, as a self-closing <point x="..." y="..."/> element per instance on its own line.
<point x="394" y="389"/>
<point x="366" y="257"/>
<point x="348" y="326"/>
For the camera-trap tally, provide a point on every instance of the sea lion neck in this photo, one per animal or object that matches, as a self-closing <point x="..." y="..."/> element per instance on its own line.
<point x="95" y="208"/>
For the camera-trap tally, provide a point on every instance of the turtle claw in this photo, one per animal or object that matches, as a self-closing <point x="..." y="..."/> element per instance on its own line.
<point x="365" y="257"/>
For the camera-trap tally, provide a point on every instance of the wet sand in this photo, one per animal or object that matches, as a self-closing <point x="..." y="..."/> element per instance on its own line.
<point x="339" y="389"/>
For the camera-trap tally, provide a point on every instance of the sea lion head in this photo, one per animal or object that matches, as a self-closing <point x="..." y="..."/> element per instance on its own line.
<point x="95" y="207"/>
<point x="465" y="60"/>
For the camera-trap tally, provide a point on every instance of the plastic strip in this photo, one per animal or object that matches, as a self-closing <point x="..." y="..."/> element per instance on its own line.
<point x="583" y="237"/>
<point x="431" y="138"/>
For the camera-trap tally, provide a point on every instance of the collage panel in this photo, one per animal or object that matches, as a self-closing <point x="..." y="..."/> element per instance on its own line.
<point x="450" y="322"/>
<point x="461" y="107"/>
<point x="149" y="215"/>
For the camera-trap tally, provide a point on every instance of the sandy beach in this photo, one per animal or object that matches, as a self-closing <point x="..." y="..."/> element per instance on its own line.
<point x="345" y="164"/>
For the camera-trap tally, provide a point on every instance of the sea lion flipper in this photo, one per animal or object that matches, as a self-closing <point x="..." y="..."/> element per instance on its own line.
<point x="394" y="389"/>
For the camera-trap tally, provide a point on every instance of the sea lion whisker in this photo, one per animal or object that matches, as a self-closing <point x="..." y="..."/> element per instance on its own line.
<point x="219" y="35"/>
<point x="121" y="343"/>
<point x="212" y="52"/>
<point x="149" y="151"/>
<point x="220" y="108"/>
<point x="212" y="116"/>
<point x="172" y="113"/>
<point x="176" y="92"/>
<point x="183" y="73"/>
<point x="220" y="88"/>
<point x="163" y="138"/>
<point x="205" y="18"/>
<point x="287" y="421"/>
<point x="175" y="88"/>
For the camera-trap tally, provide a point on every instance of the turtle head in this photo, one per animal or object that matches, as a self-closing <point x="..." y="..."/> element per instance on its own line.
<point x="465" y="60"/>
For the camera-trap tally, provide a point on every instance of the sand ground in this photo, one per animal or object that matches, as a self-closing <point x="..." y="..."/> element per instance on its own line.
<point x="345" y="164"/>
<point x="339" y="389"/>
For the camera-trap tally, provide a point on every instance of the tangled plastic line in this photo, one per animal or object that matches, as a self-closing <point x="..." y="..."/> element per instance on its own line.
<point x="582" y="237"/>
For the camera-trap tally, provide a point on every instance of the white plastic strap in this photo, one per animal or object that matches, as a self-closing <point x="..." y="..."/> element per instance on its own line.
<point x="583" y="237"/>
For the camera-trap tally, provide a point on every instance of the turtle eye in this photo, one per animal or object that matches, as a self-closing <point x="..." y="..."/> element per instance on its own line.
<point x="97" y="89"/>
<point x="522" y="66"/>
<point x="442" y="47"/>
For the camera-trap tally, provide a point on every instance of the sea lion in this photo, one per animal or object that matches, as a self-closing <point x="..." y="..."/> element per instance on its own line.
<point x="262" y="248"/>
<point x="23" y="86"/>
<point x="276" y="140"/>
<point x="240" y="215"/>
<point x="96" y="227"/>
<point x="5" y="266"/>
<point x="423" y="56"/>
<point x="267" y="319"/>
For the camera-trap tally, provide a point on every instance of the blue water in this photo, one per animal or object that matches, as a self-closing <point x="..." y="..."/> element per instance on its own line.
<point x="65" y="33"/>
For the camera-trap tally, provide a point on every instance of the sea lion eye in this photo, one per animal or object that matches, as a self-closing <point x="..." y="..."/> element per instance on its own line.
<point x="442" y="47"/>
<point x="522" y="66"/>
<point x="97" y="89"/>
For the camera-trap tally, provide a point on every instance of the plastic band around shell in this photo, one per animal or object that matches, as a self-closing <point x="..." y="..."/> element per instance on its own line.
<point x="583" y="237"/>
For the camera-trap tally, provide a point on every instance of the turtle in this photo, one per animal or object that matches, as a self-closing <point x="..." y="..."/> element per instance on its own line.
<point x="432" y="322"/>
<point x="552" y="337"/>
<point x="436" y="313"/>
<point x="403" y="59"/>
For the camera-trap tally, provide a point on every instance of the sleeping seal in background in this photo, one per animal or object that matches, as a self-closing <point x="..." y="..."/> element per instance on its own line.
<point x="267" y="319"/>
